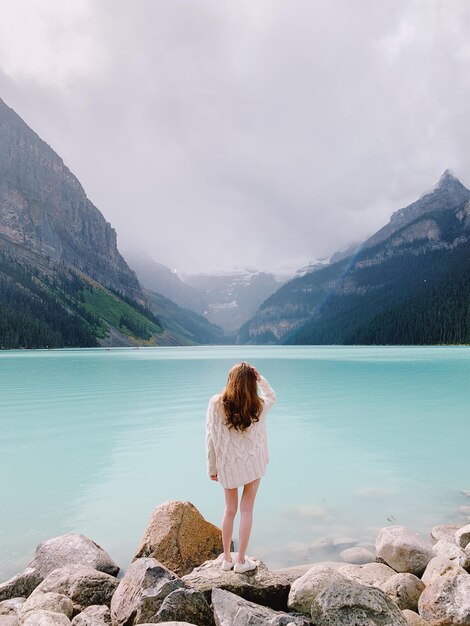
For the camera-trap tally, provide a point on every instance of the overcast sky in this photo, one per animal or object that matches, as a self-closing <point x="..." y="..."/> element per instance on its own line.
<point x="261" y="133"/>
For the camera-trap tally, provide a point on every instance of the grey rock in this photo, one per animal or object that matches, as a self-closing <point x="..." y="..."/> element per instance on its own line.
<point x="185" y="604"/>
<point x="141" y="592"/>
<point x="49" y="601"/>
<point x="462" y="537"/>
<point x="440" y="566"/>
<point x="442" y="531"/>
<point x="357" y="556"/>
<point x="83" y="585"/>
<point x="231" y="610"/>
<point x="304" y="590"/>
<point x="12" y="606"/>
<point x="8" y="620"/>
<point x="261" y="585"/>
<point x="453" y="552"/>
<point x="347" y="603"/>
<point x="404" y="590"/>
<point x="373" y="574"/>
<point x="403" y="550"/>
<point x="20" y="585"/>
<point x="46" y="618"/>
<point x="446" y="600"/>
<point x="71" y="549"/>
<point x="95" y="615"/>
<point x="413" y="619"/>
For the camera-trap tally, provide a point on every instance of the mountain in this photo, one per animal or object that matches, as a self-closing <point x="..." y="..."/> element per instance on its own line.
<point x="46" y="215"/>
<point x="408" y="283"/>
<point x="63" y="281"/>
<point x="159" y="278"/>
<point x="232" y="297"/>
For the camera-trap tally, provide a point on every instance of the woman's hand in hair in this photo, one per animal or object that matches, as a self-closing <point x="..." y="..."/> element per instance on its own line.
<point x="256" y="373"/>
<point x="214" y="477"/>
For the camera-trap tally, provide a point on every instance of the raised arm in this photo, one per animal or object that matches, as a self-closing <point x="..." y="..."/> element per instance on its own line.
<point x="210" y="450"/>
<point x="267" y="392"/>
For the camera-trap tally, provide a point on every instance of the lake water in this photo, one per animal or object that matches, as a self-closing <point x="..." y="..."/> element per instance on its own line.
<point x="91" y="441"/>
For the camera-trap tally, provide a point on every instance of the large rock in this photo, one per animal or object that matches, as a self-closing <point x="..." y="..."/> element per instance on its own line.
<point x="404" y="589"/>
<point x="305" y="589"/>
<point x="20" y="585"/>
<point x="231" y="610"/>
<point x="83" y="585"/>
<point x="8" y="620"/>
<point x="347" y="603"/>
<point x="404" y="550"/>
<point x="453" y="552"/>
<point x="95" y="615"/>
<point x="357" y="556"/>
<point x="446" y="600"/>
<point x="71" y="549"/>
<point x="413" y="619"/>
<point x="444" y="531"/>
<point x="373" y="574"/>
<point x="50" y="601"/>
<point x="46" y="618"/>
<point x="185" y="604"/>
<point x="462" y="537"/>
<point x="12" y="606"/>
<point x="260" y="585"/>
<point x="141" y="592"/>
<point x="179" y="537"/>
<point x="440" y="566"/>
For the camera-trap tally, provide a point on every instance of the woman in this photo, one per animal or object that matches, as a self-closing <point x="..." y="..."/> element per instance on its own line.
<point x="237" y="452"/>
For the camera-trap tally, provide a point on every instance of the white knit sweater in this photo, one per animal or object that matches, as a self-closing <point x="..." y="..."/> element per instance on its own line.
<point x="238" y="457"/>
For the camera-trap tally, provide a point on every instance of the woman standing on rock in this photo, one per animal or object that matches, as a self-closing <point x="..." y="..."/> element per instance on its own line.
<point x="237" y="452"/>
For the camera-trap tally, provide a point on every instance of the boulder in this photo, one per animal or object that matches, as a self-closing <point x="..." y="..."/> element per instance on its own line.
<point x="141" y="592"/>
<point x="71" y="549"/>
<point x="11" y="607"/>
<point x="443" y="531"/>
<point x="8" y="620"/>
<point x="46" y="618"/>
<point x="49" y="601"/>
<point x="20" y="585"/>
<point x="179" y="537"/>
<point x="94" y="615"/>
<point x="171" y="624"/>
<point x="231" y="610"/>
<point x="404" y="589"/>
<point x="446" y="600"/>
<point x="83" y="585"/>
<point x="260" y="585"/>
<point x="185" y="604"/>
<point x="304" y="590"/>
<point x="413" y="619"/>
<point x="373" y="574"/>
<point x="404" y="550"/>
<point x="440" y="566"/>
<point x="462" y="537"/>
<point x="453" y="552"/>
<point x="357" y="556"/>
<point x="347" y="603"/>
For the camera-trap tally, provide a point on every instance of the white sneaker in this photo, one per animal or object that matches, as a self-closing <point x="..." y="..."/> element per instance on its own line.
<point x="227" y="565"/>
<point x="247" y="566"/>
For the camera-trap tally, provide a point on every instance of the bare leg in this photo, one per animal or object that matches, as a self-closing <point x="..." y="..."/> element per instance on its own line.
<point x="231" y="504"/>
<point x="246" y="516"/>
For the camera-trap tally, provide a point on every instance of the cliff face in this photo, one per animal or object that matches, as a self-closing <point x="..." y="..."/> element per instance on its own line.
<point x="45" y="213"/>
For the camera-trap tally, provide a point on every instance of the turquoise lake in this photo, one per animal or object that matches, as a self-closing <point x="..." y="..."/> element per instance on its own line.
<point x="92" y="440"/>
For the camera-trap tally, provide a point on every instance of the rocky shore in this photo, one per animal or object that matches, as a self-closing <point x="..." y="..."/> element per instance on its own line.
<point x="175" y="579"/>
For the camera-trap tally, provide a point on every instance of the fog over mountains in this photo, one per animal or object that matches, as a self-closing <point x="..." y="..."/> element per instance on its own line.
<point x="63" y="281"/>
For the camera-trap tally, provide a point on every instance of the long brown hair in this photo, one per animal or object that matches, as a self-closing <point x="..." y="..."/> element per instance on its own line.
<point x="240" y="400"/>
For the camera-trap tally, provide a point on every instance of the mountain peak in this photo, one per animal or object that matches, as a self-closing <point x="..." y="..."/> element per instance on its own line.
<point x="446" y="179"/>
